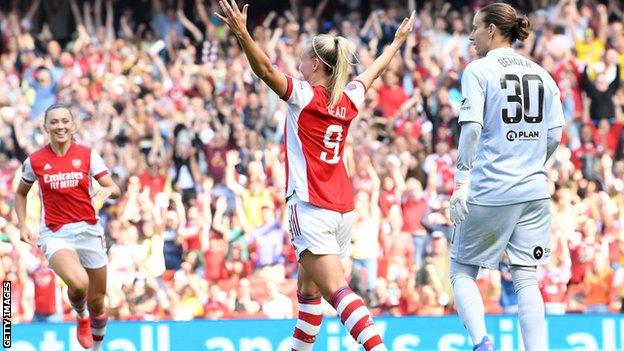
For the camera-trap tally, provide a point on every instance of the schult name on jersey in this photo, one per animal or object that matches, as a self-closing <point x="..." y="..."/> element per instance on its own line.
<point x="62" y="180"/>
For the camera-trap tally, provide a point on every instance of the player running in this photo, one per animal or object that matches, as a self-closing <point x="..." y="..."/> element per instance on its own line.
<point x="320" y="202"/>
<point x="511" y="122"/>
<point x="70" y="236"/>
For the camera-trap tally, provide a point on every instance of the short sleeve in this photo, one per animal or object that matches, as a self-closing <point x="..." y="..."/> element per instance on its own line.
<point x="28" y="174"/>
<point x="298" y="92"/>
<point x="356" y="91"/>
<point x="473" y="97"/>
<point x="98" y="168"/>
<point x="555" y="111"/>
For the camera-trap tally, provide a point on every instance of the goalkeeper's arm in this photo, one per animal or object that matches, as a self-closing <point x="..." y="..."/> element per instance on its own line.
<point x="466" y="150"/>
<point x="552" y="141"/>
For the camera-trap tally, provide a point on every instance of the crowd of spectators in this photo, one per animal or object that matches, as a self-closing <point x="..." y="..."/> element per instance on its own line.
<point x="163" y="92"/>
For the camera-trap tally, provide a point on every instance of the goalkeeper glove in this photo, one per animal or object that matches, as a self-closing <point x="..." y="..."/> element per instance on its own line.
<point x="458" y="204"/>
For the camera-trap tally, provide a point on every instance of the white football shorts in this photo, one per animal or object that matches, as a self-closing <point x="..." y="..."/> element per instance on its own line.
<point x="84" y="238"/>
<point x="321" y="231"/>
<point x="523" y="230"/>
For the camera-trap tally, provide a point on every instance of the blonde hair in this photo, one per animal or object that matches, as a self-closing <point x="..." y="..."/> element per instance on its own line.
<point x="334" y="53"/>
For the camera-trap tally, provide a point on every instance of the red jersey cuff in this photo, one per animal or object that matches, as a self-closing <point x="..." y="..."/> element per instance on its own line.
<point x="100" y="175"/>
<point x="363" y="85"/>
<point x="289" y="88"/>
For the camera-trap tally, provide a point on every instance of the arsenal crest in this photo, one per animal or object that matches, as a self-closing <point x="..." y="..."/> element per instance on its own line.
<point x="76" y="163"/>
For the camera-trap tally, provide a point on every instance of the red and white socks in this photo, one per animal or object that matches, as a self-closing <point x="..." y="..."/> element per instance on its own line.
<point x="357" y="319"/>
<point x="308" y="323"/>
<point x="98" y="329"/>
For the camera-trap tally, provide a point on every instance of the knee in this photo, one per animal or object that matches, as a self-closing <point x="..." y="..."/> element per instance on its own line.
<point x="461" y="270"/>
<point x="523" y="276"/>
<point x="78" y="284"/>
<point x="307" y="289"/>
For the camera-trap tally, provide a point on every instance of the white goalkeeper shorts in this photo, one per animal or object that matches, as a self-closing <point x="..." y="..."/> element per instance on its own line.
<point x="522" y="230"/>
<point x="87" y="240"/>
<point x="319" y="230"/>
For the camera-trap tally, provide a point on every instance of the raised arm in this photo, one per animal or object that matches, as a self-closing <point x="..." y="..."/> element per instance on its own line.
<point x="110" y="27"/>
<point x="258" y="60"/>
<point x="407" y="54"/>
<point x="76" y="11"/>
<point x="294" y="9"/>
<point x="190" y="26"/>
<point x="202" y="13"/>
<point x="603" y="27"/>
<point x="88" y="18"/>
<point x="269" y="19"/>
<point x="318" y="11"/>
<point x="615" y="84"/>
<point x="32" y="10"/>
<point x="98" y="14"/>
<point x="586" y="84"/>
<point x="380" y="64"/>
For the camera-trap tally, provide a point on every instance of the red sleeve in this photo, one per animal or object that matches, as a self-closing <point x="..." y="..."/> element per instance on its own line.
<point x="357" y="80"/>
<point x="100" y="175"/>
<point x="289" y="88"/>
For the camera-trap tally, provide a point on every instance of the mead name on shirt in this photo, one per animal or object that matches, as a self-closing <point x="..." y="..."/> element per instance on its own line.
<point x="62" y="180"/>
<point x="340" y="112"/>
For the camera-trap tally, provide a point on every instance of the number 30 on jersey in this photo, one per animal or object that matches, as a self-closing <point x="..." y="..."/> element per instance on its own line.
<point x="521" y="98"/>
<point x="332" y="139"/>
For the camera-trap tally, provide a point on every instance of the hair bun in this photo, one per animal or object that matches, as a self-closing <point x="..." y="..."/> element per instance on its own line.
<point x="523" y="27"/>
<point x="522" y="22"/>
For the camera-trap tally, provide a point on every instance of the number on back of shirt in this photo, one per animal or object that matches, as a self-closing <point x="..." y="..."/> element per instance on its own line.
<point x="521" y="99"/>
<point x="332" y="139"/>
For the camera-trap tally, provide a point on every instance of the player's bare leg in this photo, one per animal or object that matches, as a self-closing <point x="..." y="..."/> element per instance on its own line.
<point x="66" y="264"/>
<point x="310" y="314"/>
<point x="327" y="273"/>
<point x="95" y="304"/>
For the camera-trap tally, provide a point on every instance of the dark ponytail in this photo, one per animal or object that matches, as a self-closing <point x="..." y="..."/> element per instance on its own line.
<point x="523" y="27"/>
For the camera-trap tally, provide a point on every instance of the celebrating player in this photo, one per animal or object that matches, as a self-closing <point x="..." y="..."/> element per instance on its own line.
<point x="70" y="236"/>
<point x="511" y="118"/>
<point x="320" y="203"/>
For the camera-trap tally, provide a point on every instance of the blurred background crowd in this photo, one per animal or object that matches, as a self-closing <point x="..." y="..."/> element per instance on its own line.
<point x="163" y="92"/>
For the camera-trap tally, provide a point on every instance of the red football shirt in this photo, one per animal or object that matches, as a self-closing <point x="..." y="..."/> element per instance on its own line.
<point x="315" y="136"/>
<point x="64" y="184"/>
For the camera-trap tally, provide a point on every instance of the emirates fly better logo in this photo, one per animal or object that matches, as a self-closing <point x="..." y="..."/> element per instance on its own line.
<point x="63" y="180"/>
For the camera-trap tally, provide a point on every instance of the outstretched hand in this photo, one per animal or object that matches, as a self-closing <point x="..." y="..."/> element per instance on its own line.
<point x="234" y="18"/>
<point x="405" y="28"/>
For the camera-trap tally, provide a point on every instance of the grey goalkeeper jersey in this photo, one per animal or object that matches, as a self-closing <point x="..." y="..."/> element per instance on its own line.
<point x="516" y="102"/>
